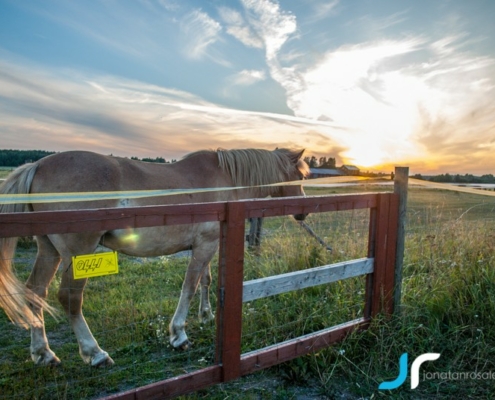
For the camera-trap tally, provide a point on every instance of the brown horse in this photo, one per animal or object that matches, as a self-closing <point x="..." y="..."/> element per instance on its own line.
<point x="78" y="171"/>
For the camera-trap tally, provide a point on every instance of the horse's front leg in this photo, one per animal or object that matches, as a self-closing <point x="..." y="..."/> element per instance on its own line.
<point x="199" y="263"/>
<point x="205" y="313"/>
<point x="70" y="296"/>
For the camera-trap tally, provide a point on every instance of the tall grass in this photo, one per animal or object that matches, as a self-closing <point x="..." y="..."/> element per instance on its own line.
<point x="448" y="307"/>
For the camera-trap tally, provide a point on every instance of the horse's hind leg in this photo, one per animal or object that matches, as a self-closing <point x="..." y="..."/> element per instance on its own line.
<point x="70" y="295"/>
<point x="71" y="298"/>
<point x="202" y="254"/>
<point x="205" y="313"/>
<point x="42" y="274"/>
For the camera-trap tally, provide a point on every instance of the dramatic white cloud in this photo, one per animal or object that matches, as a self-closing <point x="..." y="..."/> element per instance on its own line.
<point x="270" y="23"/>
<point x="238" y="27"/>
<point x="130" y="118"/>
<point x="395" y="98"/>
<point x="200" y="32"/>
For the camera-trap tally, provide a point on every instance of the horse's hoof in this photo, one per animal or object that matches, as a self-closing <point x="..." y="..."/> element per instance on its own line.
<point x="48" y="359"/>
<point x="206" y="316"/>
<point x="102" y="360"/>
<point x="180" y="342"/>
<point x="183" y="346"/>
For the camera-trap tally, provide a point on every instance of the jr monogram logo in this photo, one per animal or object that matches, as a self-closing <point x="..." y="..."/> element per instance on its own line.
<point x="401" y="378"/>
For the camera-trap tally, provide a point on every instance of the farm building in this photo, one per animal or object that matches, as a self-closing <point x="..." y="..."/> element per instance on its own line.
<point x="324" y="172"/>
<point x="329" y="172"/>
<point x="349" y="170"/>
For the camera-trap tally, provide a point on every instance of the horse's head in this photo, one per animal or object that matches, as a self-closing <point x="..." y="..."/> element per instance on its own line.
<point x="298" y="170"/>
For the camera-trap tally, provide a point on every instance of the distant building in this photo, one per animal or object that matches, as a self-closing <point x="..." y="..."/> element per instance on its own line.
<point x="324" y="173"/>
<point x="349" y="170"/>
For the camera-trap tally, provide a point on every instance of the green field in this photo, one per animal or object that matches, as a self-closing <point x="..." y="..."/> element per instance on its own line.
<point x="448" y="307"/>
<point x="5" y="171"/>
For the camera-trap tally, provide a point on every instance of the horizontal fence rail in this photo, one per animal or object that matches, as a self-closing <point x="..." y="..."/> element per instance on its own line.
<point x="378" y="267"/>
<point x="278" y="284"/>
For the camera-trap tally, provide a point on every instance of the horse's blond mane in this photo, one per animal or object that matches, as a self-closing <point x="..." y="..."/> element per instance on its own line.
<point x="254" y="167"/>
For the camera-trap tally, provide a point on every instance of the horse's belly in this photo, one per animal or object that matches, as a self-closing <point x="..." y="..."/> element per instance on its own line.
<point x="149" y="242"/>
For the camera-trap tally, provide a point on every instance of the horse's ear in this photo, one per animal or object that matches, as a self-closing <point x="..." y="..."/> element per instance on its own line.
<point x="298" y="155"/>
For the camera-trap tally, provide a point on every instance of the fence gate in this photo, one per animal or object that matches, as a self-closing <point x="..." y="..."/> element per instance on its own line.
<point x="230" y="363"/>
<point x="232" y="291"/>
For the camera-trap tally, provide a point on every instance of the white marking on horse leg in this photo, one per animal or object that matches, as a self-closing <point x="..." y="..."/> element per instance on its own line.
<point x="195" y="270"/>
<point x="178" y="337"/>
<point x="40" y="351"/>
<point x="205" y="313"/>
<point x="89" y="350"/>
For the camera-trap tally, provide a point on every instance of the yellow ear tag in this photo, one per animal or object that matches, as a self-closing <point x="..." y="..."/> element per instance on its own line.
<point x="87" y="266"/>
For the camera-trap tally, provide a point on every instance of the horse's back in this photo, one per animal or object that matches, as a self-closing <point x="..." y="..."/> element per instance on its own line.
<point x="76" y="171"/>
<point x="83" y="171"/>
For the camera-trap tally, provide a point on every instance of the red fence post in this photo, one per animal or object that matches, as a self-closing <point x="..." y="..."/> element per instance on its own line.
<point x="383" y="239"/>
<point x="230" y="283"/>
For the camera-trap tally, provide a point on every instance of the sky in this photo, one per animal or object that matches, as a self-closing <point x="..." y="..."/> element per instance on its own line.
<point x="374" y="83"/>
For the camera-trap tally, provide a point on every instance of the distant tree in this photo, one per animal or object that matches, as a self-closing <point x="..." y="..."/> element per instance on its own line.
<point x="155" y="160"/>
<point x="446" y="178"/>
<point x="15" y="158"/>
<point x="312" y="162"/>
<point x="327" y="162"/>
<point x="489" y="178"/>
<point x="160" y="160"/>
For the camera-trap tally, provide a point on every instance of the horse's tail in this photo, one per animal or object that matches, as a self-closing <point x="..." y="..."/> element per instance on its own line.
<point x="15" y="298"/>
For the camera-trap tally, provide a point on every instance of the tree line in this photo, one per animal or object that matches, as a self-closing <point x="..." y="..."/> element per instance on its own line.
<point x="457" y="178"/>
<point x="322" y="162"/>
<point x="15" y="158"/>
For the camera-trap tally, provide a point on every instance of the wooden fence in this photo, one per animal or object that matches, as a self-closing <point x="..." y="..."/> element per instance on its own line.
<point x="230" y="364"/>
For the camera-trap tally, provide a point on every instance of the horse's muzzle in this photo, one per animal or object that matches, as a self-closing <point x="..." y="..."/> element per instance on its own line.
<point x="300" y="217"/>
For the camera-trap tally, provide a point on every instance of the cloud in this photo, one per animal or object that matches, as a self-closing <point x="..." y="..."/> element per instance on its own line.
<point x="271" y="24"/>
<point x="200" y="32"/>
<point x="238" y="27"/>
<point x="369" y="90"/>
<point x="321" y="10"/>
<point x="61" y="110"/>
<point x="242" y="79"/>
<point x="376" y="91"/>
<point x="247" y="77"/>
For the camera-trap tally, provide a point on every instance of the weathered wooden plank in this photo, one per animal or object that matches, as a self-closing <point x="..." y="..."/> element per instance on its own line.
<point x="173" y="387"/>
<point x="385" y="245"/>
<point x="272" y="285"/>
<point x="285" y="351"/>
<point x="73" y="221"/>
<point x="307" y="205"/>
